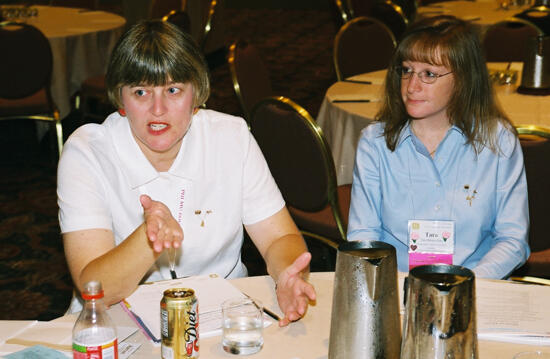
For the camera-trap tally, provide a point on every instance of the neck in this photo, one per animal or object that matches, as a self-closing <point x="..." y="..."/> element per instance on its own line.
<point x="430" y="134"/>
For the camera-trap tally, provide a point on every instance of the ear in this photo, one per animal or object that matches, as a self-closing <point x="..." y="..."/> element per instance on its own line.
<point x="122" y="112"/>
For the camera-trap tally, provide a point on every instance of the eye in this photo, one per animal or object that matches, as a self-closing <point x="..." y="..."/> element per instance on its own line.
<point x="174" y="90"/>
<point x="406" y="70"/>
<point x="429" y="74"/>
<point x="140" y="92"/>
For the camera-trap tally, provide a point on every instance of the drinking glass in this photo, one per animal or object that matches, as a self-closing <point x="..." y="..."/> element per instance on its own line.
<point x="242" y="325"/>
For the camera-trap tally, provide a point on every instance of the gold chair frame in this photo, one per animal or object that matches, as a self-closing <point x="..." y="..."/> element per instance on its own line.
<point x="344" y="28"/>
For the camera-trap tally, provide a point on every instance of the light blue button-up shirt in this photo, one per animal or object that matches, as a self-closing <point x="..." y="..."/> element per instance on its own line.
<point x="484" y="194"/>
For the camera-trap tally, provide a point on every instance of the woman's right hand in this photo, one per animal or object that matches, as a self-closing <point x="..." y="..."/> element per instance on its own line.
<point x="161" y="228"/>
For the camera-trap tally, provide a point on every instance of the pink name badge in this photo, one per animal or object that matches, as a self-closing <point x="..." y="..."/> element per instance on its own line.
<point x="417" y="259"/>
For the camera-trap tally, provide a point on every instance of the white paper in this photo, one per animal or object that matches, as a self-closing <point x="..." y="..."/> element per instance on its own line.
<point x="512" y="312"/>
<point x="211" y="291"/>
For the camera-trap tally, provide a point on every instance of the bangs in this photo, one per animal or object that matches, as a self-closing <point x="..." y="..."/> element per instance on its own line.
<point x="155" y="66"/>
<point x="426" y="49"/>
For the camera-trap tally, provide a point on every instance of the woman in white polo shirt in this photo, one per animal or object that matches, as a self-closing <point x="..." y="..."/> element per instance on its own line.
<point x="161" y="174"/>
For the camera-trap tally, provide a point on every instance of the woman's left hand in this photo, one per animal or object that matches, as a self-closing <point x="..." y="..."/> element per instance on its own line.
<point x="293" y="292"/>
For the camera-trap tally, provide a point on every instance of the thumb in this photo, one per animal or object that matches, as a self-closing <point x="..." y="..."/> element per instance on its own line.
<point x="300" y="263"/>
<point x="145" y="201"/>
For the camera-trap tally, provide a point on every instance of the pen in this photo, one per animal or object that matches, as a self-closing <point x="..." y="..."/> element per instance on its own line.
<point x="172" y="259"/>
<point x="266" y="311"/>
<point x="271" y="314"/>
<point x="358" y="81"/>
<point x="344" y="101"/>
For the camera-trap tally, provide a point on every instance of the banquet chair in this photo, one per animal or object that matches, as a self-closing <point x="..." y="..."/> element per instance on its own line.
<point x="356" y="8"/>
<point x="25" y="77"/>
<point x="160" y="8"/>
<point x="249" y="75"/>
<point x="362" y="45"/>
<point x="535" y="143"/>
<point x="393" y="15"/>
<point x="339" y="12"/>
<point x="179" y="18"/>
<point x="301" y="163"/>
<point x="506" y="41"/>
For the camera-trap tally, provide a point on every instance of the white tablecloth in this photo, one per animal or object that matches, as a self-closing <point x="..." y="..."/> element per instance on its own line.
<point x="305" y="339"/>
<point x="484" y="13"/>
<point x="342" y="122"/>
<point x="81" y="42"/>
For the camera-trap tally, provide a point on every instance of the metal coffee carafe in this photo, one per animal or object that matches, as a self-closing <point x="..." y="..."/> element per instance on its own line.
<point x="365" y="305"/>
<point x="440" y="314"/>
<point x="535" y="77"/>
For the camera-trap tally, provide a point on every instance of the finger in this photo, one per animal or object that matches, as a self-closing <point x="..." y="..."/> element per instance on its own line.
<point x="299" y="264"/>
<point x="145" y="201"/>
<point x="284" y="322"/>
<point x="309" y="291"/>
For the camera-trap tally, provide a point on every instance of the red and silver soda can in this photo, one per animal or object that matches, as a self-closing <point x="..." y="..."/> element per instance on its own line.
<point x="179" y="324"/>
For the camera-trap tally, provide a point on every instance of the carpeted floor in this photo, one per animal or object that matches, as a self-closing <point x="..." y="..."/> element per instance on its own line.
<point x="296" y="46"/>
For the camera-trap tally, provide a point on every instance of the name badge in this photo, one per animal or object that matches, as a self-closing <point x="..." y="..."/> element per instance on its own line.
<point x="430" y="242"/>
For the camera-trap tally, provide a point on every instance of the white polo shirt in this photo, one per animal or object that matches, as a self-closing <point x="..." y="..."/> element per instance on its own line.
<point x="218" y="182"/>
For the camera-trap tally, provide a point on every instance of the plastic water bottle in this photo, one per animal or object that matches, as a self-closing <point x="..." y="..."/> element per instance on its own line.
<point x="94" y="334"/>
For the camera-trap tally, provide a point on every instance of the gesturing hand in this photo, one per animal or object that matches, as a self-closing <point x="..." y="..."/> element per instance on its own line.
<point x="161" y="228"/>
<point x="293" y="292"/>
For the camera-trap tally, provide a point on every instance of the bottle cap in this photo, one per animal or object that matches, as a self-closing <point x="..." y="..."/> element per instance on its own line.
<point x="92" y="290"/>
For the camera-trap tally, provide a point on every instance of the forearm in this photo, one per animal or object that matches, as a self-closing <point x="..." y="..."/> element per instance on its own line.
<point x="282" y="253"/>
<point x="121" y="269"/>
<point x="502" y="259"/>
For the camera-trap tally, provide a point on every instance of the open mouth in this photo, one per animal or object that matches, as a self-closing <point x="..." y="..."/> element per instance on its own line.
<point x="157" y="126"/>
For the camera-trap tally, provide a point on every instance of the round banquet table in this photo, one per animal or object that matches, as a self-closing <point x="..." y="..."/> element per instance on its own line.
<point x="342" y="122"/>
<point x="81" y="42"/>
<point x="483" y="13"/>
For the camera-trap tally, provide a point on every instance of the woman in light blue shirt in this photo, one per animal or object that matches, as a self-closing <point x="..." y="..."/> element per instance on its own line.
<point x="442" y="153"/>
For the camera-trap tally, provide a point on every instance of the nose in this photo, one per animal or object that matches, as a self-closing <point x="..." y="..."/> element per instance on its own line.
<point x="414" y="83"/>
<point x="158" y="106"/>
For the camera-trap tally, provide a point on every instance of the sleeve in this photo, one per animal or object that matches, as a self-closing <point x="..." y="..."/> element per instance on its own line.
<point x="511" y="217"/>
<point x="261" y="196"/>
<point x="80" y="193"/>
<point x="364" y="216"/>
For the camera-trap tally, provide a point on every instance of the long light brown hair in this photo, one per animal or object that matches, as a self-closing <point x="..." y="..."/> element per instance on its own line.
<point x="453" y="43"/>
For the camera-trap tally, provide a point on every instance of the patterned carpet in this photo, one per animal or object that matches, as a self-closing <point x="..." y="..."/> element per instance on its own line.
<point x="296" y="46"/>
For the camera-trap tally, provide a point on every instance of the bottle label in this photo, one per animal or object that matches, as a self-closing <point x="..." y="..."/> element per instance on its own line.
<point x="107" y="350"/>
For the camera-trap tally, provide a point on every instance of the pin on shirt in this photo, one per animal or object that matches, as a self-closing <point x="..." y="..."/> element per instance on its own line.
<point x="202" y="215"/>
<point x="470" y="195"/>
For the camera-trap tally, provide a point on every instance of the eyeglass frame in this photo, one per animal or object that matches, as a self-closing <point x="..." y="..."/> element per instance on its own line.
<point x="422" y="78"/>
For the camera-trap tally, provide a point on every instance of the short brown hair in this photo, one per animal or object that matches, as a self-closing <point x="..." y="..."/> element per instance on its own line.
<point x="446" y="41"/>
<point x="153" y="53"/>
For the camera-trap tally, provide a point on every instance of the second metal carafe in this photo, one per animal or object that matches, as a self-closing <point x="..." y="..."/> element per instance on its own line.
<point x="365" y="305"/>
<point x="440" y="314"/>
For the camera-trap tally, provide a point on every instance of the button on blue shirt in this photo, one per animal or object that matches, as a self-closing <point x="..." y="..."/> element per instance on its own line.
<point x="485" y="194"/>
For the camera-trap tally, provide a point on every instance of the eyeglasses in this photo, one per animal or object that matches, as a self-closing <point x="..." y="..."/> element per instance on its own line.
<point x="425" y="76"/>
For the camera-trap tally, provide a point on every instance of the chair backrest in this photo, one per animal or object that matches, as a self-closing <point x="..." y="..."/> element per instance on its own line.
<point x="340" y="12"/>
<point x="362" y="45"/>
<point x="160" y="8"/>
<point x="179" y="18"/>
<point x="26" y="60"/>
<point x="535" y="143"/>
<point x="249" y="75"/>
<point x="506" y="41"/>
<point x="393" y="15"/>
<point x="297" y="153"/>
<point x="356" y="8"/>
